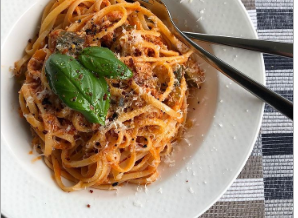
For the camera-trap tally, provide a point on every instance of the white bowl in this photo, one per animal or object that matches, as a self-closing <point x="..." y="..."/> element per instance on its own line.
<point x="227" y="122"/>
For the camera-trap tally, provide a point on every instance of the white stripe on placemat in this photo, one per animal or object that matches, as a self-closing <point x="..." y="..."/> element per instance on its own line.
<point x="245" y="190"/>
<point x="279" y="80"/>
<point x="282" y="35"/>
<point x="274" y="122"/>
<point x="274" y="4"/>
<point x="278" y="166"/>
<point x="253" y="17"/>
<point x="279" y="208"/>
<point x="257" y="150"/>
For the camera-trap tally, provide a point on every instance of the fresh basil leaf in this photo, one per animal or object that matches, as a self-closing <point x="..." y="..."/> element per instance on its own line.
<point x="103" y="62"/>
<point x="78" y="88"/>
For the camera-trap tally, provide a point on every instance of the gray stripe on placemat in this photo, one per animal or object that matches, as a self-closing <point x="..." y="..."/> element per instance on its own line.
<point x="278" y="166"/>
<point x="239" y="209"/>
<point x="252" y="169"/>
<point x="249" y="4"/>
<point x="279" y="208"/>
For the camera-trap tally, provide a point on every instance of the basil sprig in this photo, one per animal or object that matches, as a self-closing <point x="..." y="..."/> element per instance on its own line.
<point x="78" y="88"/>
<point x="103" y="62"/>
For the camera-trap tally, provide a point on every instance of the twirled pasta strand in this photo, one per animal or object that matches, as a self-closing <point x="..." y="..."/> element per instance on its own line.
<point x="130" y="146"/>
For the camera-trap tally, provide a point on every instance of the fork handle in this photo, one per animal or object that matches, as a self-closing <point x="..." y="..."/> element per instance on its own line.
<point x="269" y="47"/>
<point x="257" y="89"/>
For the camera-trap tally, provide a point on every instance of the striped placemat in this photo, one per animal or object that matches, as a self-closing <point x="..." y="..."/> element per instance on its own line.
<point x="264" y="188"/>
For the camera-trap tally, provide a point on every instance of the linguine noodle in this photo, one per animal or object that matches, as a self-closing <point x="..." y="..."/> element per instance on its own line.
<point x="147" y="112"/>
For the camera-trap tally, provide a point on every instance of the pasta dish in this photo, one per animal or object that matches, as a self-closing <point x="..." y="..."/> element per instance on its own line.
<point x="123" y="134"/>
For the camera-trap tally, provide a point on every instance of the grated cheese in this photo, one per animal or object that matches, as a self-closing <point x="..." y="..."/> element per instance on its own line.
<point x="167" y="160"/>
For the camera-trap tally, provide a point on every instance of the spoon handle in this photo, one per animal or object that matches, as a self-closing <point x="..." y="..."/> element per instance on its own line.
<point x="257" y="89"/>
<point x="269" y="47"/>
